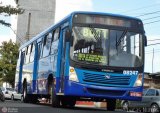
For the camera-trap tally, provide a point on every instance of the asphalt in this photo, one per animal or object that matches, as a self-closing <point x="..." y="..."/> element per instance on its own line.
<point x="18" y="107"/>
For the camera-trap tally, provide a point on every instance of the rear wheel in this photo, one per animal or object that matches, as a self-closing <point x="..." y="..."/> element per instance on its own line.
<point x="111" y="104"/>
<point x="34" y="99"/>
<point x="25" y="95"/>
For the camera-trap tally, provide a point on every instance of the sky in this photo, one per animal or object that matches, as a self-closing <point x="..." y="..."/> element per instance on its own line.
<point x="147" y="10"/>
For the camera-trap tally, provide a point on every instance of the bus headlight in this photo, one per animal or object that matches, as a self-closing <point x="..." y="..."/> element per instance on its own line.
<point x="139" y="80"/>
<point x="72" y="75"/>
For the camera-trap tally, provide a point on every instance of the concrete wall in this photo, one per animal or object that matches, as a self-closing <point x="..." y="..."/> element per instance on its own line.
<point x="42" y="16"/>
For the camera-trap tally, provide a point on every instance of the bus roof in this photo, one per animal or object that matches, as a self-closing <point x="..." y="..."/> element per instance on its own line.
<point x="106" y="14"/>
<point x="67" y="18"/>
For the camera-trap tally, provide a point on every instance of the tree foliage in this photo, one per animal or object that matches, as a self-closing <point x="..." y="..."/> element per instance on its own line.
<point x="9" y="10"/>
<point x="8" y="61"/>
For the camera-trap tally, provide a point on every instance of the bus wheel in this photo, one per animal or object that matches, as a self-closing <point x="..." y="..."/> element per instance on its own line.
<point x="72" y="103"/>
<point x="68" y="102"/>
<point x="111" y="104"/>
<point x="55" y="99"/>
<point x="64" y="101"/>
<point x="34" y="99"/>
<point x="25" y="95"/>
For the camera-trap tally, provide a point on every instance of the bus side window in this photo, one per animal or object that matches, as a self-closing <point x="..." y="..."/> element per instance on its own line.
<point x="19" y="59"/>
<point x="47" y="44"/>
<point x="55" y="41"/>
<point x="28" y="54"/>
<point x="25" y="58"/>
<point x="39" y="49"/>
<point x="32" y="52"/>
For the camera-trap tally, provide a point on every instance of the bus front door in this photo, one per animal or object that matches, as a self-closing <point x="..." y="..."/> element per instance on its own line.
<point x="62" y="73"/>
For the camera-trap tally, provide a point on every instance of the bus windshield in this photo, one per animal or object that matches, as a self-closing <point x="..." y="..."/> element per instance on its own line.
<point x="107" y="47"/>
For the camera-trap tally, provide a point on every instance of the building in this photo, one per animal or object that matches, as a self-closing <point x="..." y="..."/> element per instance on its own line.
<point x="152" y="80"/>
<point x="38" y="15"/>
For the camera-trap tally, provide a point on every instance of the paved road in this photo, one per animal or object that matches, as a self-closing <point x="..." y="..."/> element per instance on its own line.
<point x="19" y="107"/>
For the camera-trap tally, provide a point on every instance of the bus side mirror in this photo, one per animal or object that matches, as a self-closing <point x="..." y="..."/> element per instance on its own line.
<point x="145" y="41"/>
<point x="69" y="37"/>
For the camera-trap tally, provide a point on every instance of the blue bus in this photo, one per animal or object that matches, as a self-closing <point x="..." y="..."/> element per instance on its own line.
<point x="87" y="56"/>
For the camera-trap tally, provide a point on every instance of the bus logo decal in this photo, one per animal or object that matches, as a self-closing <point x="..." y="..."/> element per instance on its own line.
<point x="107" y="76"/>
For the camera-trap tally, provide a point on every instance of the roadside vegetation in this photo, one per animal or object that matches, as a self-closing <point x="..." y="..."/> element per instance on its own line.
<point x="8" y="61"/>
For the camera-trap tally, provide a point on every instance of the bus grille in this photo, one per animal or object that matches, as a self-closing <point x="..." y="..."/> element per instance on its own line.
<point x="113" y="80"/>
<point x="106" y="92"/>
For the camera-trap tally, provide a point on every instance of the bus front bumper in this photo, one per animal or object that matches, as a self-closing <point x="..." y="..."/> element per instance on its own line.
<point x="85" y="90"/>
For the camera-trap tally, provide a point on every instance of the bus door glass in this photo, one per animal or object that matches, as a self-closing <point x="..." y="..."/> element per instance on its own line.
<point x="63" y="60"/>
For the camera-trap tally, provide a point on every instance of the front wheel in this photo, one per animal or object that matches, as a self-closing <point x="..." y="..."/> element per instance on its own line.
<point x="68" y="101"/>
<point x="55" y="99"/>
<point x="111" y="104"/>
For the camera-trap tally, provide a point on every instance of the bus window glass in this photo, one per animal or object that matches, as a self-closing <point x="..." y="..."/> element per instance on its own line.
<point x="101" y="46"/>
<point x="19" y="59"/>
<point x="28" y="54"/>
<point x="125" y="50"/>
<point x="47" y="44"/>
<point x="54" y="46"/>
<point x="90" y="45"/>
<point x="39" y="49"/>
<point x="32" y="52"/>
<point x="56" y="34"/>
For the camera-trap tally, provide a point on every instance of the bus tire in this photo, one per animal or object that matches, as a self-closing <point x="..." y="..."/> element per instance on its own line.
<point x="63" y="101"/>
<point x="25" y="95"/>
<point x="55" y="99"/>
<point x="72" y="103"/>
<point x="111" y="105"/>
<point x="34" y="99"/>
<point x="68" y="102"/>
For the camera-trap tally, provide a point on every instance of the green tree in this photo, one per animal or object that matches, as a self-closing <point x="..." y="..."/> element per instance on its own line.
<point x="8" y="61"/>
<point x="7" y="11"/>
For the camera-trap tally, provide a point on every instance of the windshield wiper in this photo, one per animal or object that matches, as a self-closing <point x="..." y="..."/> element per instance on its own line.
<point x="121" y="37"/>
